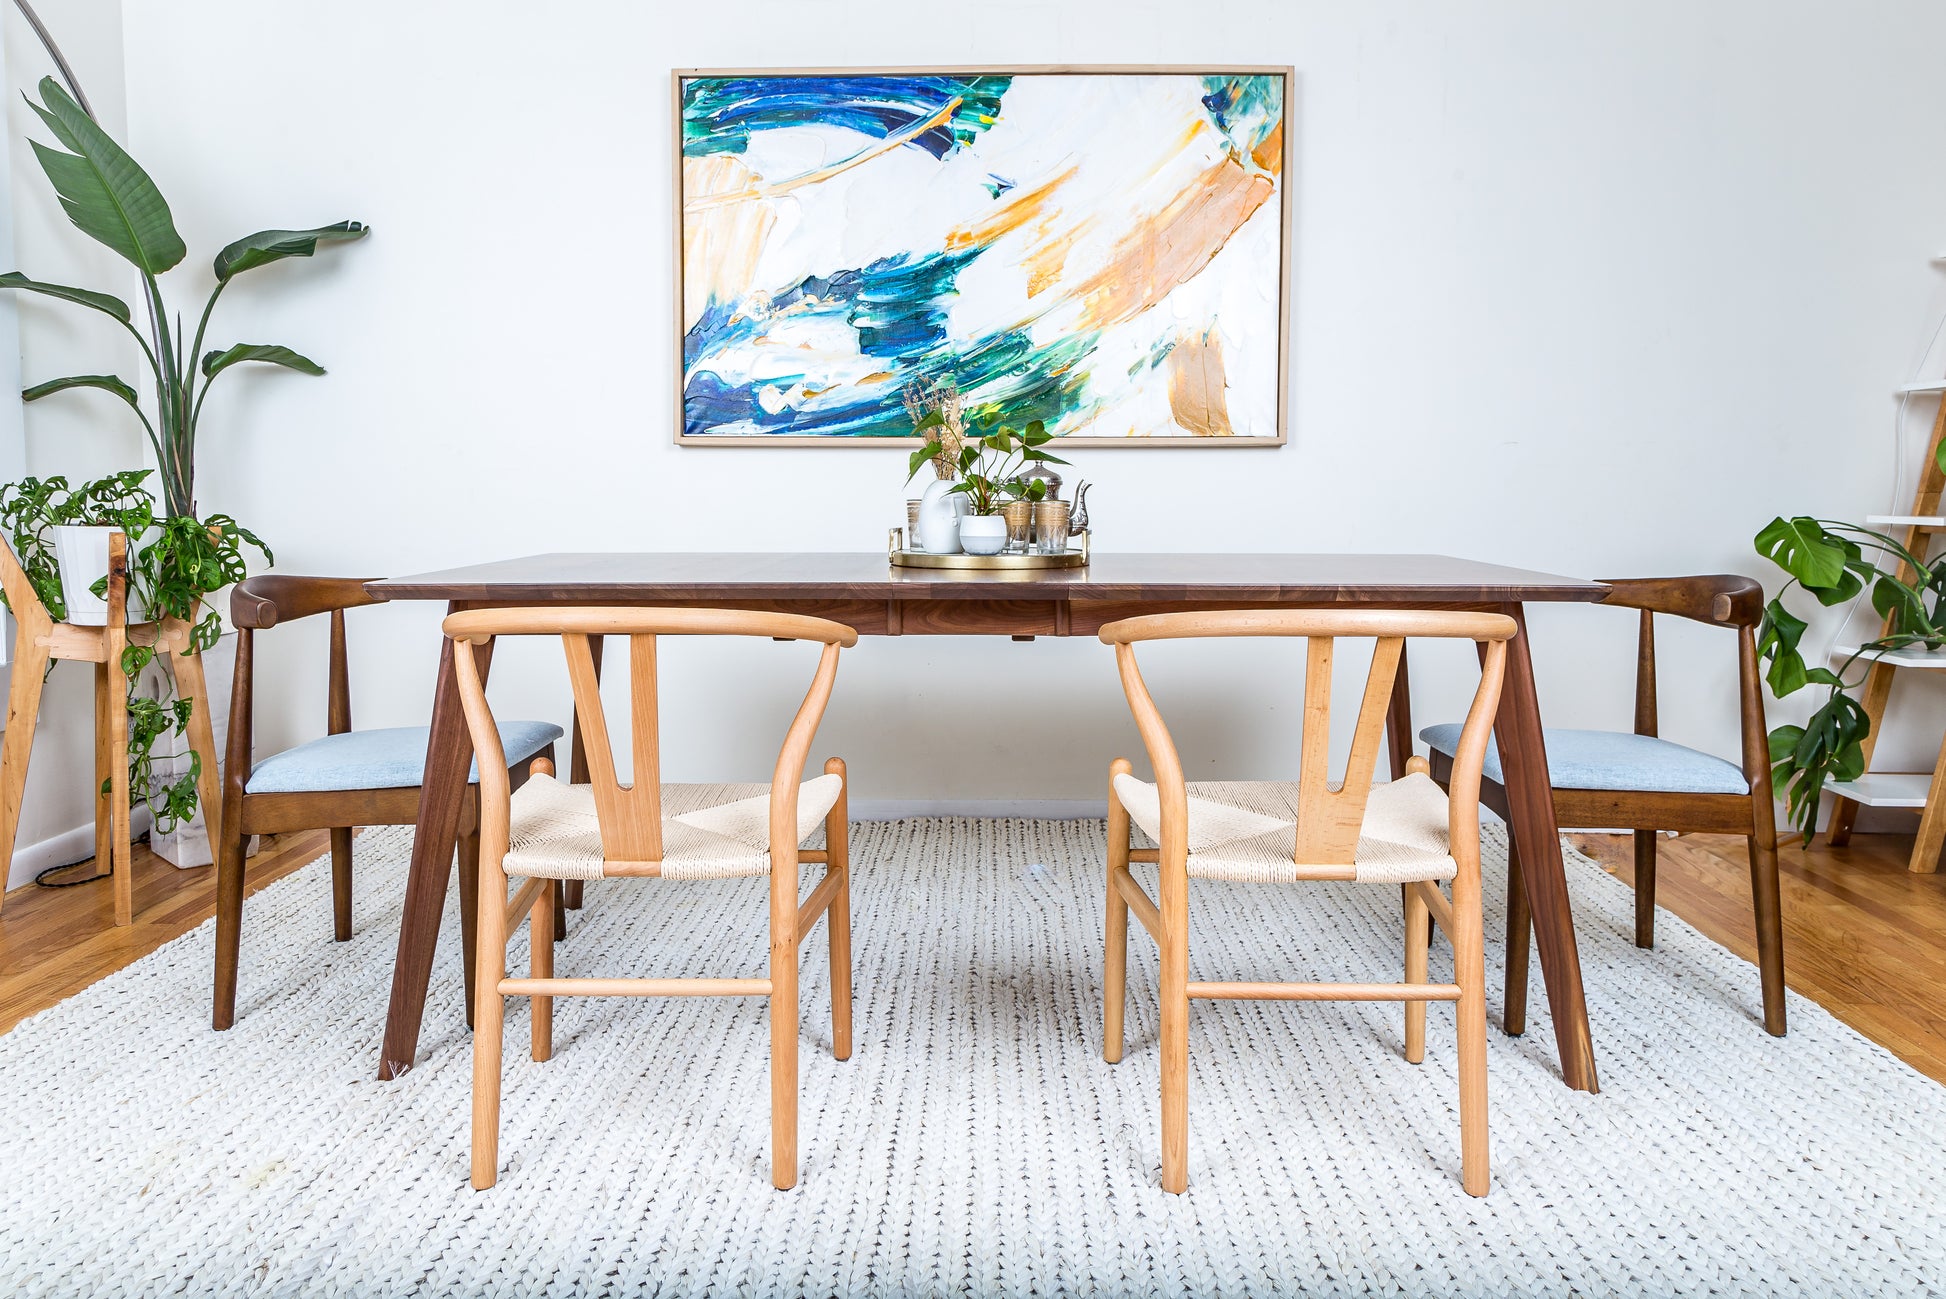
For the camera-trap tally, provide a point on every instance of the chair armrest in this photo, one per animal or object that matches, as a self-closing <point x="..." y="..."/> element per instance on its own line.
<point x="1725" y="599"/>
<point x="261" y="602"/>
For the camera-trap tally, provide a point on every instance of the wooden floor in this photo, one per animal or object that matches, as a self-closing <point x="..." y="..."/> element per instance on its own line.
<point x="1863" y="937"/>
<point x="55" y="942"/>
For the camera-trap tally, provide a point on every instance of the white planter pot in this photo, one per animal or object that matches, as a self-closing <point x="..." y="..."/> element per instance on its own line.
<point x="187" y="845"/>
<point x="983" y="534"/>
<point x="81" y="550"/>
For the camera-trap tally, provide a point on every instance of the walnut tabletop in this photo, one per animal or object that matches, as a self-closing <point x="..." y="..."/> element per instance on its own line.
<point x="866" y="592"/>
<point x="1109" y="576"/>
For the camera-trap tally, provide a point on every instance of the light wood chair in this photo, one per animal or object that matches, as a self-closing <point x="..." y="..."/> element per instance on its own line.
<point x="548" y="831"/>
<point x="1407" y="833"/>
<point x="39" y="640"/>
<point x="1641" y="782"/>
<point x="342" y="780"/>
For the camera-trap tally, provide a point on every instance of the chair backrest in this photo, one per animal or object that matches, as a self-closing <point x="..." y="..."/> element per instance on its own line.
<point x="1329" y="817"/>
<point x="1719" y="599"/>
<point x="269" y="601"/>
<point x="631" y="814"/>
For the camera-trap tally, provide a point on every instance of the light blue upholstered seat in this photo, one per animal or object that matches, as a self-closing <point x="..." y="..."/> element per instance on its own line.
<point x="1614" y="760"/>
<point x="393" y="758"/>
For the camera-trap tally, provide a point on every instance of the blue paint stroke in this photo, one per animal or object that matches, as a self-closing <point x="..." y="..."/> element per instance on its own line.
<point x="719" y="113"/>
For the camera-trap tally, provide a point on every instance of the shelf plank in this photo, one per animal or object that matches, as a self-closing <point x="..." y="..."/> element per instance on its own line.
<point x="1929" y="385"/>
<point x="1885" y="788"/>
<point x="1912" y="657"/>
<point x="1906" y="520"/>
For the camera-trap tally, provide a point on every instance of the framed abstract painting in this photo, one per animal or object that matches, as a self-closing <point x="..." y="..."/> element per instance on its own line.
<point x="1105" y="250"/>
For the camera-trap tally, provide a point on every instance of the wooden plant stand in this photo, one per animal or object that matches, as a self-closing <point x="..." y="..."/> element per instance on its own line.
<point x="1894" y="788"/>
<point x="40" y="639"/>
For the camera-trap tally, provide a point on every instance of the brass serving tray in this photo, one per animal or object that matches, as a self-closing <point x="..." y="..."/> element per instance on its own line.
<point x="1003" y="563"/>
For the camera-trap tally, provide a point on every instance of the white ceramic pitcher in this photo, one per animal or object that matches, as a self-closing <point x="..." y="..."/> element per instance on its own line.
<point x="940" y="508"/>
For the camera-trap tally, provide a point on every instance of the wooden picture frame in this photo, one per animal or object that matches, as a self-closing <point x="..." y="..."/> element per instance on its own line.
<point x="1273" y="156"/>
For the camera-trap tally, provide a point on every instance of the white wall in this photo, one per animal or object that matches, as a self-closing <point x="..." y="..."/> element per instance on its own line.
<point x="1596" y="289"/>
<point x="82" y="435"/>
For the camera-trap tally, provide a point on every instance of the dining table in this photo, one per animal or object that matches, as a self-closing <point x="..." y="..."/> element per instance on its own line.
<point x="877" y="598"/>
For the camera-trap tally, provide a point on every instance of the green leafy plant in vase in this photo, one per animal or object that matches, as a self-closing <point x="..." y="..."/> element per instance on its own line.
<point x="988" y="472"/>
<point x="112" y="200"/>
<point x="1835" y="562"/>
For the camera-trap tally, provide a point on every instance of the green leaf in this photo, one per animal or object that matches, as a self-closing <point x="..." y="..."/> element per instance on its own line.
<point x="931" y="419"/>
<point x="85" y="297"/>
<point x="1804" y="550"/>
<point x="105" y="382"/>
<point x="268" y="246"/>
<point x="104" y="191"/>
<point x="214" y="363"/>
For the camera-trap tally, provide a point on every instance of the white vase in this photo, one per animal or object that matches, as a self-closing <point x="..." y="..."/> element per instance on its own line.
<point x="81" y="551"/>
<point x="983" y="534"/>
<point x="940" y="510"/>
<point x="188" y="845"/>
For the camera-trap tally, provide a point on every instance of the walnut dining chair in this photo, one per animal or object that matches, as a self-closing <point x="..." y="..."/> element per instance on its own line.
<point x="1647" y="784"/>
<point x="547" y="832"/>
<point x="1407" y="833"/>
<point x="340" y="781"/>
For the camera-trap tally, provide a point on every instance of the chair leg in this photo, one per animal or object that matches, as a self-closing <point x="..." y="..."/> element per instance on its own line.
<point x="1417" y="914"/>
<point x="837" y="921"/>
<point x="560" y="910"/>
<point x="1114" y="963"/>
<point x="1469" y="971"/>
<point x="540" y="965"/>
<point x="571" y="894"/>
<point x="490" y="1013"/>
<point x="783" y="1021"/>
<point x="1768" y="905"/>
<point x="229" y="918"/>
<point x="469" y="910"/>
<point x="1175" y="1027"/>
<point x="1645" y="888"/>
<point x="341" y="883"/>
<point x="1520" y="922"/>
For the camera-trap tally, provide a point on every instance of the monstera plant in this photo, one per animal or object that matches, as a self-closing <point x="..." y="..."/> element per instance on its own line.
<point x="1835" y="563"/>
<point x="184" y="558"/>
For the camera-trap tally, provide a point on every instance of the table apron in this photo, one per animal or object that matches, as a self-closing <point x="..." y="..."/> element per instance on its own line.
<point x="961" y="617"/>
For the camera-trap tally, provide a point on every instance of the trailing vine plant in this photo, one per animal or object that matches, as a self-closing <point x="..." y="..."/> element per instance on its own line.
<point x="1835" y="562"/>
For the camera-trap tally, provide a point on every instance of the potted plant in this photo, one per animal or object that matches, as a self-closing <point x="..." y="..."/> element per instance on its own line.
<point x="169" y="574"/>
<point x="1836" y="562"/>
<point x="988" y="472"/>
<point x="180" y="558"/>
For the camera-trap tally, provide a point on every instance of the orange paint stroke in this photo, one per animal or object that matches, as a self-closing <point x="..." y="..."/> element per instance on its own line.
<point x="1172" y="246"/>
<point x="1024" y="206"/>
<point x="720" y="249"/>
<point x="1198" y="388"/>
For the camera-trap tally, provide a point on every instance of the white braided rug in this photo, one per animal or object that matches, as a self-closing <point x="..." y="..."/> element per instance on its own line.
<point x="975" y="1142"/>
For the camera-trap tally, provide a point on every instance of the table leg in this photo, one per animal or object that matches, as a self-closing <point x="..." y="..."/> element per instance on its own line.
<point x="1530" y="803"/>
<point x="1398" y="720"/>
<point x="449" y="753"/>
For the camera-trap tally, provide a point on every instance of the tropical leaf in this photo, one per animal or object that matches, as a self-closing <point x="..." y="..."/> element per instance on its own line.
<point x="105" y="192"/>
<point x="85" y="297"/>
<point x="1802" y="548"/>
<point x="214" y="363"/>
<point x="268" y="246"/>
<point x="105" y="382"/>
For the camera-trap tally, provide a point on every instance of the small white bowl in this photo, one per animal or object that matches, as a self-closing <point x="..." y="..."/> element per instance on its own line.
<point x="983" y="534"/>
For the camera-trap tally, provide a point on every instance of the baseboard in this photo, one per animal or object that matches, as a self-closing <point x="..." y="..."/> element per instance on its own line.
<point x="1048" y="809"/>
<point x="65" y="849"/>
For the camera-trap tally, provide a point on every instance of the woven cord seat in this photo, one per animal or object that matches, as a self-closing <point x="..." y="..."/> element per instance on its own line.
<point x="1246" y="831"/>
<point x="708" y="831"/>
